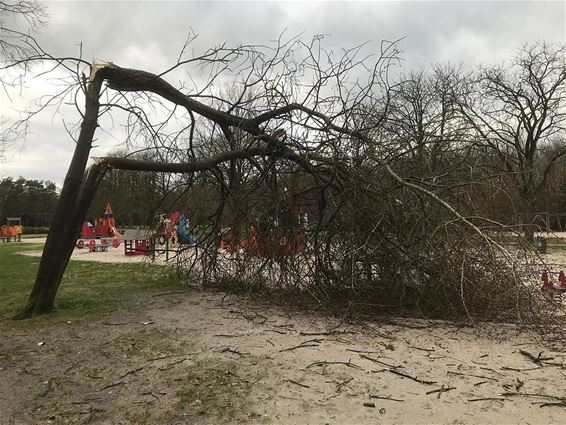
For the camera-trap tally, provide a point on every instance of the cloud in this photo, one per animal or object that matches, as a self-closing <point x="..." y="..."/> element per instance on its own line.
<point x="150" y="35"/>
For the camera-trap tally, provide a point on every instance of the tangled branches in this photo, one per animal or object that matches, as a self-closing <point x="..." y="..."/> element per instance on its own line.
<point x="316" y="175"/>
<point x="362" y="242"/>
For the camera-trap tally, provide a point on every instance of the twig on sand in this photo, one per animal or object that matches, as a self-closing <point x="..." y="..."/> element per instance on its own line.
<point x="299" y="346"/>
<point x="111" y="385"/>
<point x="151" y="394"/>
<point x="169" y="365"/>
<point x="47" y="388"/>
<point x="276" y="331"/>
<point x="325" y="363"/>
<point x="519" y="370"/>
<point x="170" y="293"/>
<point x="492" y="370"/>
<point x="385" y="397"/>
<point x="414" y="378"/>
<point x="251" y="318"/>
<point x="130" y="372"/>
<point x="486" y="399"/>
<point x="441" y="390"/>
<point x="304" y="344"/>
<point x="558" y="404"/>
<point x="430" y="350"/>
<point x="297" y="383"/>
<point x="547" y="396"/>
<point x="336" y="332"/>
<point x="71" y="367"/>
<point x="344" y="382"/>
<point x="363" y="356"/>
<point x="471" y="374"/>
<point x="232" y="350"/>
<point x="363" y="351"/>
<point x="536" y="360"/>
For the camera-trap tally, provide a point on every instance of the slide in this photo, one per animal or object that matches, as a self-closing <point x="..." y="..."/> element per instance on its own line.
<point x="185" y="237"/>
<point x="115" y="232"/>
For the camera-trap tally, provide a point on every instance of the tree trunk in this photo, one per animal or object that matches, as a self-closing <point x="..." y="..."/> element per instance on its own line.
<point x="76" y="195"/>
<point x="528" y="229"/>
<point x="63" y="229"/>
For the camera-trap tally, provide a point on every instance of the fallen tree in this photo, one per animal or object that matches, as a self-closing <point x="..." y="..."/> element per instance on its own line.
<point x="376" y="238"/>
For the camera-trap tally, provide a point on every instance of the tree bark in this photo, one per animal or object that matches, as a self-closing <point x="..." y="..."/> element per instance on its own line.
<point x="528" y="229"/>
<point x="62" y="230"/>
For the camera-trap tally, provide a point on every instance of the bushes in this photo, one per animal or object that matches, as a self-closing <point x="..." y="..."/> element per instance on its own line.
<point x="35" y="230"/>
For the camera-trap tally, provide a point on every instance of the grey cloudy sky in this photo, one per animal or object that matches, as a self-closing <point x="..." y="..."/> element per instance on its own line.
<point x="149" y="35"/>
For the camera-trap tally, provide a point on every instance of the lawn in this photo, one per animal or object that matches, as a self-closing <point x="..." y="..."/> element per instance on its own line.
<point x="87" y="287"/>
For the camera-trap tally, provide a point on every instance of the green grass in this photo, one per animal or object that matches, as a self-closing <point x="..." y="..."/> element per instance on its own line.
<point x="221" y="388"/>
<point x="87" y="287"/>
<point x="34" y="235"/>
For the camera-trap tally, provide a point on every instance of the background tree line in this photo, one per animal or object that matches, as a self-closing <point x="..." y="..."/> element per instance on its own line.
<point x="32" y="200"/>
<point x="497" y="131"/>
<point x="495" y="135"/>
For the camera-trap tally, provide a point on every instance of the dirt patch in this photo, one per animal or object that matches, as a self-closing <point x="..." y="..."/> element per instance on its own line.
<point x="205" y="358"/>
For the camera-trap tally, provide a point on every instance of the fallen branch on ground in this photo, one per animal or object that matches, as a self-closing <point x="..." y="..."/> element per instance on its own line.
<point x="297" y="383"/>
<point x="538" y="359"/>
<point x="441" y="390"/>
<point x="383" y="397"/>
<point x="325" y="363"/>
<point x="130" y="372"/>
<point x="414" y="378"/>
<point x="363" y="356"/>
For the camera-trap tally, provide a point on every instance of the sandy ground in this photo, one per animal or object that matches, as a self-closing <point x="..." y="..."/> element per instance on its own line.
<point x="302" y="369"/>
<point x="237" y="361"/>
<point x="113" y="255"/>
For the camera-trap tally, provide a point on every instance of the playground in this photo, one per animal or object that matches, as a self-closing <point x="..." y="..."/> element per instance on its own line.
<point x="177" y="355"/>
<point x="156" y="352"/>
<point x="12" y="230"/>
<point x="180" y="355"/>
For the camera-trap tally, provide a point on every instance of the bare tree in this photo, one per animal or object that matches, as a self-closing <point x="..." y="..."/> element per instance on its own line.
<point x="517" y="110"/>
<point x="17" y="18"/>
<point x="302" y="129"/>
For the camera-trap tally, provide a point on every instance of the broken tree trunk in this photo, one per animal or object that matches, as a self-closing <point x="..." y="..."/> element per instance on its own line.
<point x="62" y="230"/>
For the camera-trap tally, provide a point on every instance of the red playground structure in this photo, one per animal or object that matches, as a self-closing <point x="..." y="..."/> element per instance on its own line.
<point x="269" y="236"/>
<point x="99" y="235"/>
<point x="554" y="290"/>
<point x="12" y="231"/>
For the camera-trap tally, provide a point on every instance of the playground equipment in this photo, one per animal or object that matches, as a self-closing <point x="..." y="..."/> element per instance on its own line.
<point x="137" y="242"/>
<point x="169" y="231"/>
<point x="269" y="236"/>
<point x="183" y="235"/>
<point x="555" y="290"/>
<point x="102" y="233"/>
<point x="12" y="230"/>
<point x="174" y="229"/>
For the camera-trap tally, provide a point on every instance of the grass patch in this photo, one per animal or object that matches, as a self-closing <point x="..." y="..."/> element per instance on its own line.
<point x="221" y="388"/>
<point x="18" y="272"/>
<point x="149" y="342"/>
<point x="87" y="287"/>
<point x="33" y="235"/>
